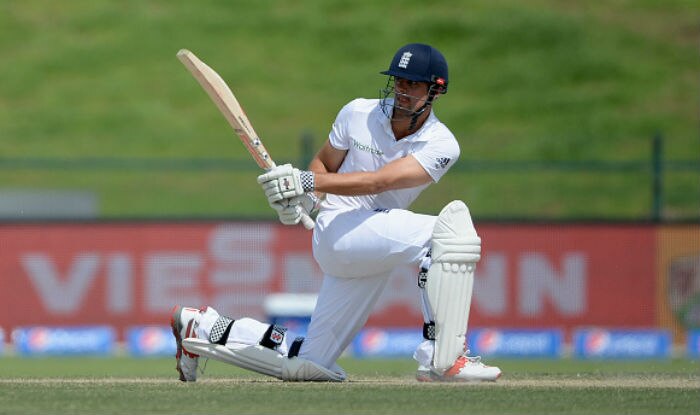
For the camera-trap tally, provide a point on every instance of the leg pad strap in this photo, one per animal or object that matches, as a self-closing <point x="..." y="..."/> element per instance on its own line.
<point x="429" y="331"/>
<point x="220" y="330"/>
<point x="295" y="347"/>
<point x="273" y="337"/>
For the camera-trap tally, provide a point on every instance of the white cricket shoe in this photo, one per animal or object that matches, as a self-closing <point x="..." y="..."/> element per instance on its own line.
<point x="465" y="369"/>
<point x="184" y="321"/>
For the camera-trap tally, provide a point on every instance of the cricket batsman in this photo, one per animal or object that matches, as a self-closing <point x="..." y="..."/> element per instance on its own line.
<point x="379" y="156"/>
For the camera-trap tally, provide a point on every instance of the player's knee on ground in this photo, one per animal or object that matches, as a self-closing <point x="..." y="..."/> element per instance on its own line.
<point x="253" y="345"/>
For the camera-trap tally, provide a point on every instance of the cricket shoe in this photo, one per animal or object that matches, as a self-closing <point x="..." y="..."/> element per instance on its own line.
<point x="184" y="321"/>
<point x="465" y="369"/>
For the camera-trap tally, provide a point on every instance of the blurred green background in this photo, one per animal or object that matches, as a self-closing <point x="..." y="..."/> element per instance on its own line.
<point x="555" y="103"/>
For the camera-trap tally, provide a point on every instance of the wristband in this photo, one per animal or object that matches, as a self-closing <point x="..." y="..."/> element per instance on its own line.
<point x="307" y="181"/>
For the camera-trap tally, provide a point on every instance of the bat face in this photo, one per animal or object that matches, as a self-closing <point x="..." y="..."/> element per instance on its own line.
<point x="223" y="97"/>
<point x="221" y="94"/>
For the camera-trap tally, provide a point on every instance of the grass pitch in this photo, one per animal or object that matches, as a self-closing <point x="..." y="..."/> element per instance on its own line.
<point x="125" y="385"/>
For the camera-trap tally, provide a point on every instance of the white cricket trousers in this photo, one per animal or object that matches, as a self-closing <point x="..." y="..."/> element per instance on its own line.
<point x="357" y="252"/>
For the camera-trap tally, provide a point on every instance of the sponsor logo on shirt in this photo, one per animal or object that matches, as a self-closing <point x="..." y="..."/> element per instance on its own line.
<point x="365" y="147"/>
<point x="442" y="162"/>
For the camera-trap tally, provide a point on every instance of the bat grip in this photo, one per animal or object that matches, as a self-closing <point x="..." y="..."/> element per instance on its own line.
<point x="307" y="221"/>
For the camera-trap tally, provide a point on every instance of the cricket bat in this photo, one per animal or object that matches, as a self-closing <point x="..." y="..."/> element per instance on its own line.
<point x="223" y="97"/>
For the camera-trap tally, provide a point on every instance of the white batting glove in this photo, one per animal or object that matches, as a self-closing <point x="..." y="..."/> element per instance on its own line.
<point x="308" y="201"/>
<point x="288" y="214"/>
<point x="285" y="182"/>
<point x="292" y="211"/>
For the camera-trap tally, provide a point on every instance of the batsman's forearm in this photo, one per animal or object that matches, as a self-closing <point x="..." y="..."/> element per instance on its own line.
<point x="399" y="174"/>
<point x="350" y="184"/>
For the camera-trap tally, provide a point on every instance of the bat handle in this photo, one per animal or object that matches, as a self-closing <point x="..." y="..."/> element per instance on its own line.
<point x="307" y="221"/>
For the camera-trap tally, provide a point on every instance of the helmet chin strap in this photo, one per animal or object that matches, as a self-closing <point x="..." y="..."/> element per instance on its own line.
<point x="414" y="117"/>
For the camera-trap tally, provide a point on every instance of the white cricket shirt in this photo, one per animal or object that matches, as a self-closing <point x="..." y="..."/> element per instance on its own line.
<point x="365" y="132"/>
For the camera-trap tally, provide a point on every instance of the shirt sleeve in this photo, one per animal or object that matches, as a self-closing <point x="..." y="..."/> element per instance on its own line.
<point x="338" y="137"/>
<point x="438" y="155"/>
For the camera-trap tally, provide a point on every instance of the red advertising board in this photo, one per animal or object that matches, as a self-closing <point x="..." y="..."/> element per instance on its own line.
<point x="566" y="275"/>
<point x="127" y="274"/>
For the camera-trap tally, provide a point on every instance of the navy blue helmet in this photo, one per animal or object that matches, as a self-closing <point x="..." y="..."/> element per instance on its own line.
<point x="421" y="63"/>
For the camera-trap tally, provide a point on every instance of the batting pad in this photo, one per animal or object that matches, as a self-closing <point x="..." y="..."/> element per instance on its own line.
<point x="263" y="360"/>
<point x="456" y="249"/>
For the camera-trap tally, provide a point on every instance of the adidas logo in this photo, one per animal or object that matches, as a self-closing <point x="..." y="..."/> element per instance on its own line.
<point x="442" y="162"/>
